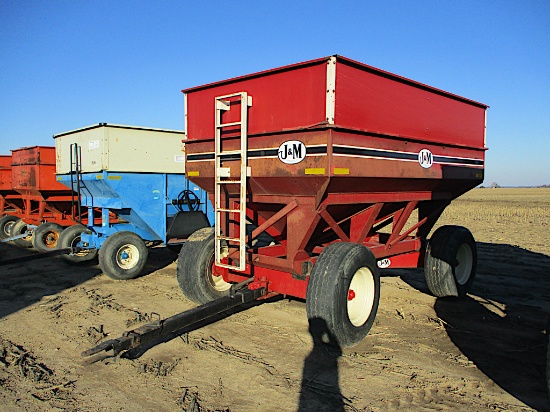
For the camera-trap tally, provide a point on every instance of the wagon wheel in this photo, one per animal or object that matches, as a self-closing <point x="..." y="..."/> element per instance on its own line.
<point x="194" y="271"/>
<point x="19" y="228"/>
<point x="6" y="222"/>
<point x="451" y="261"/>
<point x="344" y="291"/>
<point x="46" y="236"/>
<point x="123" y="255"/>
<point x="70" y="237"/>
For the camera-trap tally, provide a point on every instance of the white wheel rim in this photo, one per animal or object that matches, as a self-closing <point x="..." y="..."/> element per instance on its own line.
<point x="74" y="243"/>
<point x="7" y="228"/>
<point x="218" y="283"/>
<point x="360" y="297"/>
<point x="465" y="259"/>
<point x="127" y="256"/>
<point x="50" y="239"/>
<point x="22" y="230"/>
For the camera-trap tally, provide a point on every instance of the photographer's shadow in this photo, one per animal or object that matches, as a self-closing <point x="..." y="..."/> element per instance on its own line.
<point x="320" y="390"/>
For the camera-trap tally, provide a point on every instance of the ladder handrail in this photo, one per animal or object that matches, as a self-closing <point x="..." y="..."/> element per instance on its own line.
<point x="75" y="150"/>
<point x="75" y="156"/>
<point x="222" y="105"/>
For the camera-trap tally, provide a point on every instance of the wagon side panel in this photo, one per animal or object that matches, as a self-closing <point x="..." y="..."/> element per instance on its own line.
<point x="289" y="99"/>
<point x="5" y="172"/>
<point x="33" y="169"/>
<point x="375" y="102"/>
<point x="134" y="150"/>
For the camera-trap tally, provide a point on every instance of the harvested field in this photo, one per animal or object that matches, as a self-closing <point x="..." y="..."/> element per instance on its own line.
<point x="484" y="352"/>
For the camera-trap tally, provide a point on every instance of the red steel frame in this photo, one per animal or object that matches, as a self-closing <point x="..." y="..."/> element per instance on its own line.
<point x="43" y="199"/>
<point x="10" y="201"/>
<point x="361" y="173"/>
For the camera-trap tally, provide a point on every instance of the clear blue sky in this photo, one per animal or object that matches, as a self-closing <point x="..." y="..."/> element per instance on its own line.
<point x="69" y="64"/>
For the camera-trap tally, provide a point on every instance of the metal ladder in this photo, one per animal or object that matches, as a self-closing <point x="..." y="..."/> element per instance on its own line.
<point x="76" y="169"/>
<point x="77" y="184"/>
<point x="224" y="179"/>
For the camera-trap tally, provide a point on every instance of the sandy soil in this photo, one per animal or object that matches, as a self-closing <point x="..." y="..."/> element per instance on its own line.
<point x="485" y="352"/>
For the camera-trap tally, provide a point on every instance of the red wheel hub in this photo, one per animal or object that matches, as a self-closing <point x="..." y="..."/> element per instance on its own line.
<point x="351" y="294"/>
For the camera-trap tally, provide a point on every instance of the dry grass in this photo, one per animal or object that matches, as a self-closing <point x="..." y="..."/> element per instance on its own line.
<point x="518" y="217"/>
<point x="524" y="206"/>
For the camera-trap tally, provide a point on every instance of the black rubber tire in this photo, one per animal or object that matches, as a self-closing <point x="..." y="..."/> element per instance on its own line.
<point x="6" y="222"/>
<point x="451" y="261"/>
<point x="70" y="237"/>
<point x="46" y="236"/>
<point x="547" y="366"/>
<point x="548" y="358"/>
<point x="194" y="269"/>
<point x="123" y="255"/>
<point x="329" y="288"/>
<point x="18" y="228"/>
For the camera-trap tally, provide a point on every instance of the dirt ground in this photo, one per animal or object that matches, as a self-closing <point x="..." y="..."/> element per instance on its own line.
<point x="485" y="352"/>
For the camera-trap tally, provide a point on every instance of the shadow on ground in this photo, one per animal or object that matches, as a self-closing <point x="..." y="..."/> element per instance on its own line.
<point x="25" y="283"/>
<point x="500" y="326"/>
<point x="320" y="387"/>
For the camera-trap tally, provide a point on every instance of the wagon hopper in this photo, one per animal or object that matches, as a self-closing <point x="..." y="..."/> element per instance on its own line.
<point x="137" y="175"/>
<point x="48" y="206"/>
<point x="347" y="167"/>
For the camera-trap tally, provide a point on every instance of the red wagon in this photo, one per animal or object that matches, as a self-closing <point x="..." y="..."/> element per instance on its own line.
<point x="347" y="168"/>
<point x="47" y="204"/>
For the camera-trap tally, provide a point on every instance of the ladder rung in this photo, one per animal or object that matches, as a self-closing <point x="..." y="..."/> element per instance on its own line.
<point x="225" y="152"/>
<point x="228" y="210"/>
<point x="229" y="239"/>
<point x="224" y="265"/>
<point x="228" y="124"/>
<point x="228" y="152"/>
<point x="232" y="182"/>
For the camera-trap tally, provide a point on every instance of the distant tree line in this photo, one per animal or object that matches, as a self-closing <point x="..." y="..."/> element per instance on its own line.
<point x="495" y="185"/>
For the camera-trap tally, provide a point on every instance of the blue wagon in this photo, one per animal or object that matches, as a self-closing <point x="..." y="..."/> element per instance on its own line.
<point x="133" y="178"/>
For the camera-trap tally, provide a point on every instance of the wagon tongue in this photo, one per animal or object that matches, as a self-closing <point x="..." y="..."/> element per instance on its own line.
<point x="136" y="341"/>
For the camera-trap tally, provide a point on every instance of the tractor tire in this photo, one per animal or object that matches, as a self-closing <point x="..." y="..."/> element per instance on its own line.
<point x="46" y="236"/>
<point x="548" y="358"/>
<point x="194" y="269"/>
<point x="70" y="237"/>
<point x="6" y="222"/>
<point x="343" y="292"/>
<point x="123" y="255"/>
<point x="450" y="262"/>
<point x="18" y="228"/>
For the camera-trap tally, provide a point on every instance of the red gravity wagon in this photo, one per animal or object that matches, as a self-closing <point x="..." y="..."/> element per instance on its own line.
<point x="46" y="203"/>
<point x="347" y="168"/>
